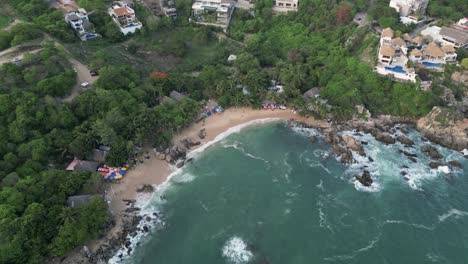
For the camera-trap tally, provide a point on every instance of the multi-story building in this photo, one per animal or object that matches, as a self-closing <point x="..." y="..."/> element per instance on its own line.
<point x="455" y="37"/>
<point x="393" y="59"/>
<point x="411" y="11"/>
<point x="124" y="17"/>
<point x="280" y="6"/>
<point x="79" y="21"/>
<point x="212" y="12"/>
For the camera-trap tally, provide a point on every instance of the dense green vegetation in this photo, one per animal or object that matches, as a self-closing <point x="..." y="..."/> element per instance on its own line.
<point x="18" y="34"/>
<point x="448" y="9"/>
<point x="40" y="133"/>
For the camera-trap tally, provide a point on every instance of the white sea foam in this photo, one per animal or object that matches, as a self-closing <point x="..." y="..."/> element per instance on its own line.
<point x="320" y="186"/>
<point x="388" y="162"/>
<point x="455" y="213"/>
<point x="391" y="221"/>
<point x="370" y="245"/>
<point x="323" y="217"/>
<point x="318" y="164"/>
<point x="308" y="132"/>
<point x="235" y="250"/>
<point x="444" y="169"/>
<point x="433" y="257"/>
<point x="375" y="187"/>
<point x="183" y="177"/>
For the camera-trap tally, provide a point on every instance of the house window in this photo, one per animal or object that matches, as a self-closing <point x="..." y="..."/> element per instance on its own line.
<point x="288" y="5"/>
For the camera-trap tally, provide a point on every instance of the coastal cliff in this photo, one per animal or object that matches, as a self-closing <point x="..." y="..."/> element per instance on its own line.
<point x="445" y="127"/>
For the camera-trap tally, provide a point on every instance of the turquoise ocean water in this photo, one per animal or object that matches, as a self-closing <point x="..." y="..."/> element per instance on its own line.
<point x="268" y="195"/>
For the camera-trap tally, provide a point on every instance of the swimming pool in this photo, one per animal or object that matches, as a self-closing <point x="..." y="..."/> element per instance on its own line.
<point x="397" y="69"/>
<point x="431" y="64"/>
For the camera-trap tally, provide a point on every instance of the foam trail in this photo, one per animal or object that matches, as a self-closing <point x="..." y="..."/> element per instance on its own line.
<point x="356" y="252"/>
<point x="452" y="213"/>
<point x="391" y="221"/>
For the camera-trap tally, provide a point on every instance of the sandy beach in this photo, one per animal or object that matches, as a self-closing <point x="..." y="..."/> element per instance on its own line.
<point x="154" y="171"/>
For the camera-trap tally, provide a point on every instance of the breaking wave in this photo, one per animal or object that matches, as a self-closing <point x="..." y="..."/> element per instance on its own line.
<point x="235" y="250"/>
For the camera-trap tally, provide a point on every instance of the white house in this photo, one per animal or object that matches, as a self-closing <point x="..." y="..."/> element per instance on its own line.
<point x="280" y="6"/>
<point x="462" y="24"/>
<point x="79" y="21"/>
<point x="434" y="55"/>
<point x="393" y="59"/>
<point x="212" y="12"/>
<point x="411" y="11"/>
<point x="124" y="17"/>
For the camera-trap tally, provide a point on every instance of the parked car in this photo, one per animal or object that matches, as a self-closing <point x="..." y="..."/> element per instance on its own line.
<point x="93" y="73"/>
<point x="84" y="84"/>
<point x="17" y="59"/>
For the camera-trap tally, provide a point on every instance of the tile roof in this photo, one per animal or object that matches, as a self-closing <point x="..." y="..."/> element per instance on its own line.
<point x="122" y="11"/>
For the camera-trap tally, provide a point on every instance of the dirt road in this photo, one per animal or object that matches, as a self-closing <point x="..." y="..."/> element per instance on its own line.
<point x="82" y="75"/>
<point x="10" y="54"/>
<point x="82" y="71"/>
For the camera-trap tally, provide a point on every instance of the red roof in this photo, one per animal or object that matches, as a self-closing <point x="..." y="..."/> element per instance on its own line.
<point x="122" y="11"/>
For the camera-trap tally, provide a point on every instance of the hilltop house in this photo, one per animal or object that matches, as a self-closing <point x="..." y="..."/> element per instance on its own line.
<point x="393" y="58"/>
<point x="79" y="21"/>
<point x="411" y="11"/>
<point x="394" y="54"/>
<point x="280" y="6"/>
<point x="212" y="12"/>
<point x="124" y="17"/>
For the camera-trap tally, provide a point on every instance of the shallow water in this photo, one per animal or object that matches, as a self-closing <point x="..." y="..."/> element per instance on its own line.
<point x="268" y="195"/>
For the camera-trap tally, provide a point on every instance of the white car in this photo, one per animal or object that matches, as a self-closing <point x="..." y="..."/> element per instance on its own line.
<point x="17" y="59"/>
<point x="84" y="84"/>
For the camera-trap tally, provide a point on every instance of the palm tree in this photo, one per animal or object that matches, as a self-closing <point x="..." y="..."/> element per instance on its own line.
<point x="68" y="215"/>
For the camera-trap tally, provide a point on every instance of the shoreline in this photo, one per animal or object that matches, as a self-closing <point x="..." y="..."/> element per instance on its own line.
<point x="156" y="172"/>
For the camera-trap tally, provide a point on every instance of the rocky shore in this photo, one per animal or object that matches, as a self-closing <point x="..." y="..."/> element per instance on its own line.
<point x="445" y="127"/>
<point x="390" y="130"/>
<point x="133" y="221"/>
